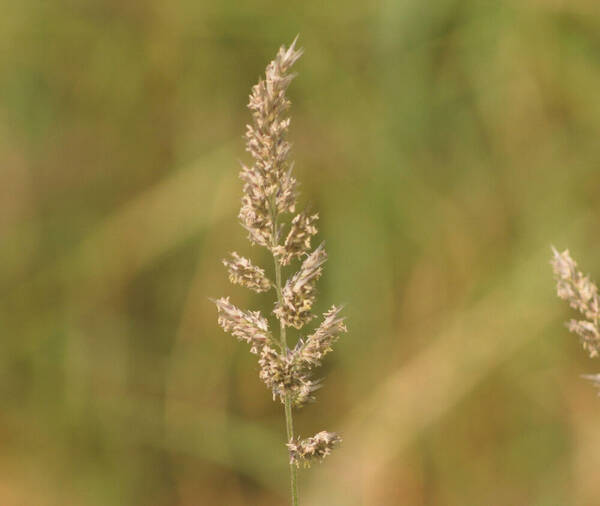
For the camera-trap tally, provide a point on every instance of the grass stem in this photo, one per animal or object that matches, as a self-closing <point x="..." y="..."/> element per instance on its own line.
<point x="289" y="420"/>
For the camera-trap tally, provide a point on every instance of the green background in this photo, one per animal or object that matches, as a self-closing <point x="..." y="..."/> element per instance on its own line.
<point x="446" y="145"/>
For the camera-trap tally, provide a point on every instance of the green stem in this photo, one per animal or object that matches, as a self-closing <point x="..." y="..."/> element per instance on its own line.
<point x="289" y="420"/>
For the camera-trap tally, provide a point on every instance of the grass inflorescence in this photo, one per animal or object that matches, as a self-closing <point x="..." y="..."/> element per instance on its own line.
<point x="269" y="215"/>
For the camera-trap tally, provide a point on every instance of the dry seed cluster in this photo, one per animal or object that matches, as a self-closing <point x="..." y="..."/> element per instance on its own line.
<point x="269" y="196"/>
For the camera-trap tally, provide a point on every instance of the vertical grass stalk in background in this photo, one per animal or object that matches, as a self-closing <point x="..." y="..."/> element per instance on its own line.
<point x="269" y="194"/>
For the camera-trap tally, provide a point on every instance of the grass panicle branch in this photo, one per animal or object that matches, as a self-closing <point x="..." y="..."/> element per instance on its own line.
<point x="269" y="198"/>
<point x="582" y="295"/>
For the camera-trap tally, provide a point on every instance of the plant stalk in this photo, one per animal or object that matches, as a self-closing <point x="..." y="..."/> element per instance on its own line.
<point x="289" y="420"/>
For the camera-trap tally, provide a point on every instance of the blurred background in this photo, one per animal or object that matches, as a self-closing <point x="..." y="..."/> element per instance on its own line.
<point x="446" y="146"/>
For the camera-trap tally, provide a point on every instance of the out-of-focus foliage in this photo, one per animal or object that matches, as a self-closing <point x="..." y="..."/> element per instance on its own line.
<point x="445" y="146"/>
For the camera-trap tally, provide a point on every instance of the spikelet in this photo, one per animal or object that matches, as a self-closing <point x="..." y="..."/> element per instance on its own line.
<point x="247" y="326"/>
<point x="315" y="448"/>
<point x="582" y="294"/>
<point x="286" y="376"/>
<point x="311" y="351"/>
<point x="300" y="291"/>
<point x="269" y="187"/>
<point x="297" y="242"/>
<point x="243" y="272"/>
